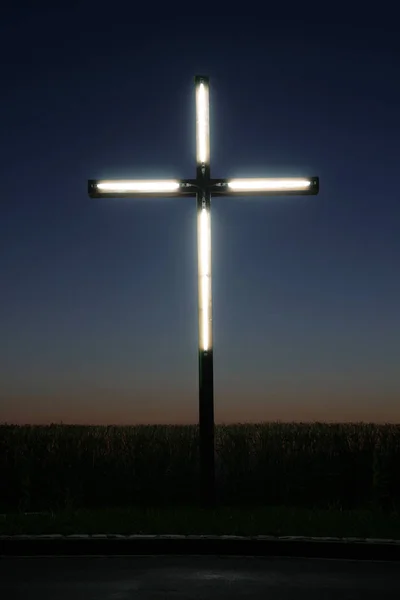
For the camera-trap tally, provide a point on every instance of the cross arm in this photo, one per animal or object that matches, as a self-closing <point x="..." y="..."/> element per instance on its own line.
<point x="282" y="186"/>
<point x="139" y="188"/>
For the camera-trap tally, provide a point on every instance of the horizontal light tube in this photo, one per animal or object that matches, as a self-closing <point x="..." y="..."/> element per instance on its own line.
<point x="264" y="185"/>
<point x="136" y="185"/>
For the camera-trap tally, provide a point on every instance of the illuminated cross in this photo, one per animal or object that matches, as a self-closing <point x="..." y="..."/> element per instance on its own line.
<point x="203" y="187"/>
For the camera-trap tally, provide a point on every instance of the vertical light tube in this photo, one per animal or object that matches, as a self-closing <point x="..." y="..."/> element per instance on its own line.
<point x="202" y="122"/>
<point x="204" y="274"/>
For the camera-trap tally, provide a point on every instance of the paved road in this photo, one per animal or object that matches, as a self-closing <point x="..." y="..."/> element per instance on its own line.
<point x="148" y="577"/>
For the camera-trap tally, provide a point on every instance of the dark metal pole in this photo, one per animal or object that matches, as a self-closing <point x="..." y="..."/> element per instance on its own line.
<point x="206" y="421"/>
<point x="206" y="374"/>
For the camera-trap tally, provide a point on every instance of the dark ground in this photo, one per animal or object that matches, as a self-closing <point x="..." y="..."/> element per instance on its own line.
<point x="195" y="577"/>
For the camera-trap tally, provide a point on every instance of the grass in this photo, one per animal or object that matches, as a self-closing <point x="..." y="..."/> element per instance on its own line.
<point x="314" y="467"/>
<point x="187" y="520"/>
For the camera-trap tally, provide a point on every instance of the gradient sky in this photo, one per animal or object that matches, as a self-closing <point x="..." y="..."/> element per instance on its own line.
<point x="98" y="298"/>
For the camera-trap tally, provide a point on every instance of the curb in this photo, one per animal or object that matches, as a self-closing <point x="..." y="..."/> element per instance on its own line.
<point x="261" y="545"/>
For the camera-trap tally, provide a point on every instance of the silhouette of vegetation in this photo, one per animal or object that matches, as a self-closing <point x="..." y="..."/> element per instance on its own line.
<point x="311" y="465"/>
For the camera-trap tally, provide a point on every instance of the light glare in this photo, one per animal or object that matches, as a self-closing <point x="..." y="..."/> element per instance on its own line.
<point x="138" y="186"/>
<point x="203" y="133"/>
<point x="268" y="184"/>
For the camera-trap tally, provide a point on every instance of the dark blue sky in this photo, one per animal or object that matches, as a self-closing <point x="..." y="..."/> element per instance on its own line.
<point x="98" y="302"/>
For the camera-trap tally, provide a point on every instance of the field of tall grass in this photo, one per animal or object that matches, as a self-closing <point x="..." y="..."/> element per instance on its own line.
<point x="314" y="465"/>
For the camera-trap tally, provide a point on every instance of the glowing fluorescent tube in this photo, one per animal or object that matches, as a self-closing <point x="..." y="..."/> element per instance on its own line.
<point x="269" y="185"/>
<point x="204" y="255"/>
<point x="121" y="187"/>
<point x="203" y="123"/>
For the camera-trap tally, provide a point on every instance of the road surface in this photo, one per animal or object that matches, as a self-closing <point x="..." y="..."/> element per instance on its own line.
<point x="195" y="577"/>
